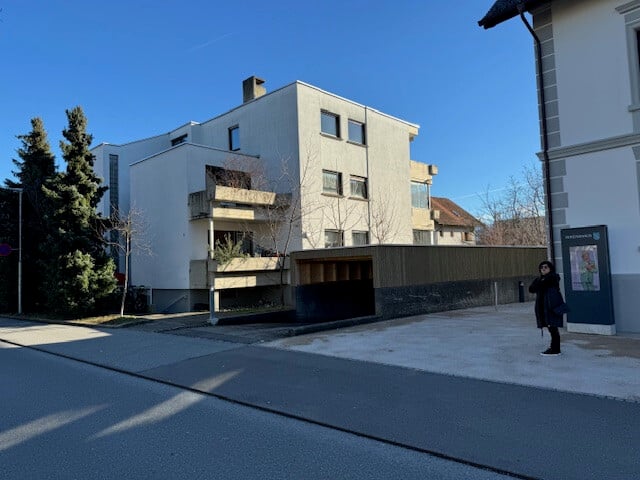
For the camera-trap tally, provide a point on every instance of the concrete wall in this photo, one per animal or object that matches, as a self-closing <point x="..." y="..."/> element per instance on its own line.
<point x="384" y="162"/>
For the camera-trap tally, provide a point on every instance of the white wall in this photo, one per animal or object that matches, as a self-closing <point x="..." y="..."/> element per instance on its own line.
<point x="127" y="154"/>
<point x="159" y="193"/>
<point x="385" y="163"/>
<point x="603" y="190"/>
<point x="160" y="187"/>
<point x="592" y="70"/>
<point x="268" y="128"/>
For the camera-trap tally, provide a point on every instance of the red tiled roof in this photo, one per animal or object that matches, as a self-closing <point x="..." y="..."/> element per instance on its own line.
<point x="453" y="214"/>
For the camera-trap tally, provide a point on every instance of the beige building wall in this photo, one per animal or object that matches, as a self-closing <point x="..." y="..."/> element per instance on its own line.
<point x="384" y="161"/>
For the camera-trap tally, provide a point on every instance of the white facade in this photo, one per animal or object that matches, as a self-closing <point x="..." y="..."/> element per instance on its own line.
<point x="282" y="132"/>
<point x="591" y="76"/>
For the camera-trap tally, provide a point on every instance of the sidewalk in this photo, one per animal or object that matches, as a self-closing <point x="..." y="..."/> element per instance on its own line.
<point x="500" y="345"/>
<point x="419" y="382"/>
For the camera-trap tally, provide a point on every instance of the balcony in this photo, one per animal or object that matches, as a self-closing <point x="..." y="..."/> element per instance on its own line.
<point x="422" y="219"/>
<point x="227" y="203"/>
<point x="238" y="273"/>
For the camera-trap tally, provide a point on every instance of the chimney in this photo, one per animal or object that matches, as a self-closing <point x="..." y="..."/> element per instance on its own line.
<point x="252" y="88"/>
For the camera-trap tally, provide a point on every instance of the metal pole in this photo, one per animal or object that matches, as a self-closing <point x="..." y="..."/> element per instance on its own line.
<point x="213" y="320"/>
<point x="20" y="252"/>
<point x="19" y="191"/>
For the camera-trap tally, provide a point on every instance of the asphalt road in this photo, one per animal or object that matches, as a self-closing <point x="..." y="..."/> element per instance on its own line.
<point x="62" y="419"/>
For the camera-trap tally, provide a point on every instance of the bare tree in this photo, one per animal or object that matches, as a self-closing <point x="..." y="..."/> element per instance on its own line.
<point x="384" y="215"/>
<point x="282" y="219"/>
<point x="126" y="233"/>
<point x="515" y="217"/>
<point x="287" y="215"/>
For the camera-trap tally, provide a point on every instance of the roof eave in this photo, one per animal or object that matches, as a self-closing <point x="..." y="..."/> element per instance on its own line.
<point x="503" y="10"/>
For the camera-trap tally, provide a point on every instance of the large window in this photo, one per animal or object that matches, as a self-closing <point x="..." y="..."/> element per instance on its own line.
<point x="234" y="138"/>
<point x="330" y="124"/>
<point x="333" y="238"/>
<point x="358" y="187"/>
<point x="356" y="132"/>
<point x="419" y="195"/>
<point x="332" y="182"/>
<point x="360" y="238"/>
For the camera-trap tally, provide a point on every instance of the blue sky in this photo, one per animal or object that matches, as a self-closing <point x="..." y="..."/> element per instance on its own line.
<point x="140" y="68"/>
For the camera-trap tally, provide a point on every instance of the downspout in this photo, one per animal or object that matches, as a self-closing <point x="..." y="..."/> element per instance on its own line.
<point x="368" y="184"/>
<point x="545" y="143"/>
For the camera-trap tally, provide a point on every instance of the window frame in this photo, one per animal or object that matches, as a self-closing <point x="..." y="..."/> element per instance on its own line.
<point x="338" y="190"/>
<point x="361" y="129"/>
<point x="358" y="180"/>
<point x="340" y="233"/>
<point x="336" y="124"/>
<point x="234" y="138"/>
<point x="631" y="16"/>
<point x="425" y="234"/>
<point x="364" y="233"/>
<point x="426" y="196"/>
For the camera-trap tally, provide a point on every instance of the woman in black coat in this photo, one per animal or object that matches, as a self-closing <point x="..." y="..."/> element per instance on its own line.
<point x="548" y="297"/>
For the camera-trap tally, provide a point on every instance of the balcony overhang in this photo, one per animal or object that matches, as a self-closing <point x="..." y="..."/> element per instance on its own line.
<point x="237" y="204"/>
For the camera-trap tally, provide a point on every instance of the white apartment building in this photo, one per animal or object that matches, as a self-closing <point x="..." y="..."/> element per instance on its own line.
<point x="342" y="169"/>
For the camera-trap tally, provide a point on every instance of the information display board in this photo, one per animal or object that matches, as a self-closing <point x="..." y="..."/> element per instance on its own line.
<point x="587" y="279"/>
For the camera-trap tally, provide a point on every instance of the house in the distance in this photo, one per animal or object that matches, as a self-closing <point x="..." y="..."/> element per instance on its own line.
<point x="587" y="56"/>
<point x="453" y="224"/>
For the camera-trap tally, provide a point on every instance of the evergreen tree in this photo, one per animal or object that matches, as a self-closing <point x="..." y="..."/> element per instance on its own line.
<point x="36" y="167"/>
<point x="79" y="272"/>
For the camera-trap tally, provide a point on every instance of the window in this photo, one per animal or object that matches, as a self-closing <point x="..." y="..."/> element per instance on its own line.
<point x="358" y="187"/>
<point x="419" y="195"/>
<point x="332" y="182"/>
<point x="226" y="238"/>
<point x="332" y="238"/>
<point x="114" y="204"/>
<point x="178" y="140"/>
<point x="330" y="124"/>
<point x="234" y="138"/>
<point x="113" y="184"/>
<point x="468" y="236"/>
<point x="356" y="132"/>
<point x="360" y="238"/>
<point x="629" y="11"/>
<point x="228" y="178"/>
<point x="421" y="237"/>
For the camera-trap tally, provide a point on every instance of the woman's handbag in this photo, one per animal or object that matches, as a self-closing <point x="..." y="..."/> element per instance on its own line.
<point x="561" y="309"/>
<point x="556" y="302"/>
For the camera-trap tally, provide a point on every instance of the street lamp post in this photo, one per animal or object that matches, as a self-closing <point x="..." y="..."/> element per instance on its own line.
<point x="213" y="320"/>
<point x="19" y="191"/>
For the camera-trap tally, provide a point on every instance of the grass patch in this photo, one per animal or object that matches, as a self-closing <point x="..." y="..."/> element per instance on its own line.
<point x="112" y="320"/>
